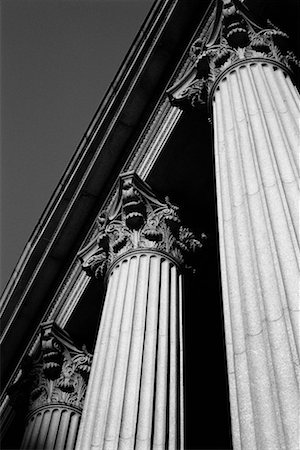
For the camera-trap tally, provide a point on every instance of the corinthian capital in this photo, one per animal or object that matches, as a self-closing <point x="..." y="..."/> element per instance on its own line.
<point x="233" y="36"/>
<point x="138" y="220"/>
<point x="57" y="374"/>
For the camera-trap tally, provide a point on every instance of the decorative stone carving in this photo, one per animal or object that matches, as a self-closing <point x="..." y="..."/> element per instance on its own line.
<point x="135" y="394"/>
<point x="138" y="221"/>
<point x="234" y="37"/>
<point x="58" y="375"/>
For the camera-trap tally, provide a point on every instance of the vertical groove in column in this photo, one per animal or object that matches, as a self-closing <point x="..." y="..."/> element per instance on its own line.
<point x="229" y="160"/>
<point x="283" y="232"/>
<point x="260" y="237"/>
<point x="180" y="391"/>
<point x="36" y="430"/>
<point x="243" y="279"/>
<point x="110" y="359"/>
<point x="28" y="432"/>
<point x="130" y="405"/>
<point x="281" y="354"/>
<point x="52" y="428"/>
<point x="119" y="375"/>
<point x="73" y="431"/>
<point x="291" y="88"/>
<point x="62" y="429"/>
<point x="137" y="402"/>
<point x="288" y="91"/>
<point x="269" y="196"/>
<point x="263" y="257"/>
<point x="256" y="185"/>
<point x="173" y="385"/>
<point x="286" y="156"/>
<point x="33" y="431"/>
<point x="288" y="126"/>
<point x="52" y="432"/>
<point x="285" y="106"/>
<point x="219" y="144"/>
<point x="91" y="399"/>
<point x="144" y="425"/>
<point x="160" y="404"/>
<point x="44" y="429"/>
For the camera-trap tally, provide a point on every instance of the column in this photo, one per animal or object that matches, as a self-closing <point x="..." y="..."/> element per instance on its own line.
<point x="51" y="428"/>
<point x="54" y="385"/>
<point x="255" y="109"/>
<point x="256" y="167"/>
<point x="135" y="394"/>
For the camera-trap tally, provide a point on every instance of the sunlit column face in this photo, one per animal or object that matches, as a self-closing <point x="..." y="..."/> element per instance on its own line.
<point x="136" y="382"/>
<point x="135" y="393"/>
<point x="243" y="72"/>
<point x="255" y="110"/>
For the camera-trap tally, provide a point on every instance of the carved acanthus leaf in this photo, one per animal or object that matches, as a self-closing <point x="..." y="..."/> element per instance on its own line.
<point x="139" y="221"/>
<point x="239" y="38"/>
<point x="58" y="373"/>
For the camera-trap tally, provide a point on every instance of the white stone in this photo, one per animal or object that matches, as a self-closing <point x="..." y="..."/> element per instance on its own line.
<point x="256" y="143"/>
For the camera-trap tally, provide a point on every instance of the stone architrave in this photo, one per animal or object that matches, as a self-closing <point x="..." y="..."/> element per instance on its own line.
<point x="244" y="72"/>
<point x="53" y="387"/>
<point x="135" y="393"/>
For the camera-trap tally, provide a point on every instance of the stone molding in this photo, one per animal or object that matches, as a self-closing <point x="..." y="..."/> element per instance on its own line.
<point x="138" y="220"/>
<point x="57" y="375"/>
<point x="235" y="37"/>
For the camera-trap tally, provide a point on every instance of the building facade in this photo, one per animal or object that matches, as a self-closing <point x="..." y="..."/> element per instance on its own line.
<point x="156" y="303"/>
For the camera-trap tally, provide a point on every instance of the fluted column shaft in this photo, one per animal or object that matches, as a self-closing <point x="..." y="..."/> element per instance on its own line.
<point x="256" y="119"/>
<point x="52" y="428"/>
<point x="134" y="397"/>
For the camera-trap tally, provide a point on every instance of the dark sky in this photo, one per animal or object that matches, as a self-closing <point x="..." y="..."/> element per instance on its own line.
<point x="58" y="58"/>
